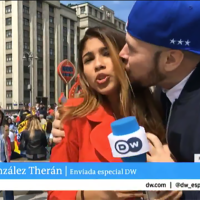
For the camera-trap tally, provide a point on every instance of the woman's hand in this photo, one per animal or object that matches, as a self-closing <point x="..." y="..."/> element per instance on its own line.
<point x="57" y="129"/>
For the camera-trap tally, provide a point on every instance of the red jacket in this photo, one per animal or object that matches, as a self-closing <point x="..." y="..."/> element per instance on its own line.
<point x="86" y="140"/>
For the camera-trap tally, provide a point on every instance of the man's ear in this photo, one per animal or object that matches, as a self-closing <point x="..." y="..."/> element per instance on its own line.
<point x="172" y="59"/>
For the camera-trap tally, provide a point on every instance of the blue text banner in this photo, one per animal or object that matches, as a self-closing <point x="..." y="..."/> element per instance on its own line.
<point x="99" y="170"/>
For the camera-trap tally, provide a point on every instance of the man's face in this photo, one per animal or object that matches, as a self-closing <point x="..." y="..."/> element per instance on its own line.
<point x="142" y="62"/>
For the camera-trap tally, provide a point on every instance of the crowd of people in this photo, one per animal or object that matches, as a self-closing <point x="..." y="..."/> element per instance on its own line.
<point x="29" y="133"/>
<point x="26" y="134"/>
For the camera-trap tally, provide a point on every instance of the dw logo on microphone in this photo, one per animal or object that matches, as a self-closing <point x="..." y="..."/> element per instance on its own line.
<point x="133" y="144"/>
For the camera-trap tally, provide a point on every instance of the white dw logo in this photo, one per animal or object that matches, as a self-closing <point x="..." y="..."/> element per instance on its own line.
<point x="180" y="42"/>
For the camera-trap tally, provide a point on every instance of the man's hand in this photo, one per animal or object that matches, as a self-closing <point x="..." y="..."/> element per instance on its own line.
<point x="57" y="129"/>
<point x="109" y="195"/>
<point x="157" y="152"/>
<point x="169" y="195"/>
<point x="122" y="195"/>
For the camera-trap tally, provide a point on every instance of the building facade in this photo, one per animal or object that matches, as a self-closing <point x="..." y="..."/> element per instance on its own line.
<point x="50" y="31"/>
<point x="90" y="16"/>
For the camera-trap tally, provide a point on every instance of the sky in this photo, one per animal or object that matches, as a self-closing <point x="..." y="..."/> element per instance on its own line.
<point x="121" y="8"/>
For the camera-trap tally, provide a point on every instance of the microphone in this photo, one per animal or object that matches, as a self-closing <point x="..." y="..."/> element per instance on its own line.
<point x="129" y="142"/>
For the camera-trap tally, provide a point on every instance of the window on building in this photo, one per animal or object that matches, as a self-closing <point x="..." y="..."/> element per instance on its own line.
<point x="64" y="30"/>
<point x="9" y="94"/>
<point x="51" y="40"/>
<point x="40" y="94"/>
<point x="26" y="34"/>
<point x="95" y="13"/>
<point x="51" y="30"/>
<point x="39" y="37"/>
<point x="8" y="21"/>
<point x="72" y="58"/>
<point x="72" y="42"/>
<point x="124" y="27"/>
<point x="52" y="84"/>
<point x="40" y="72"/>
<point x="26" y="9"/>
<point x="39" y="4"/>
<point x="82" y="9"/>
<point x="8" y="69"/>
<point x="51" y="9"/>
<point x="8" y="106"/>
<point x="65" y="48"/>
<point x="39" y="48"/>
<point x="26" y="46"/>
<point x="26" y="69"/>
<point x="52" y="63"/>
<point x="40" y="60"/>
<point x="9" y="82"/>
<point x="8" y="33"/>
<point x="64" y="39"/>
<point x="72" y="50"/>
<point x="39" y="26"/>
<point x="8" y="45"/>
<point x="65" y="51"/>
<point x="51" y="19"/>
<point x="101" y="15"/>
<point x="64" y="20"/>
<point x="52" y="73"/>
<point x="108" y="15"/>
<point x="8" y="9"/>
<point x="119" y="24"/>
<point x="26" y="93"/>
<point x="26" y="22"/>
<point x="52" y="95"/>
<point x="72" y="32"/>
<point x="40" y="83"/>
<point x="51" y="51"/>
<point x="8" y="57"/>
<point x="90" y="10"/>
<point x="26" y="82"/>
<point x="72" y="24"/>
<point x="39" y="15"/>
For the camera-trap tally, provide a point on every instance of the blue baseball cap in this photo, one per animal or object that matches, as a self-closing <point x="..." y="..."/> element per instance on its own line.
<point x="171" y="24"/>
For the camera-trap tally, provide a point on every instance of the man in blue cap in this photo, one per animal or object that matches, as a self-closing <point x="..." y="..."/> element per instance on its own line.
<point x="163" y="48"/>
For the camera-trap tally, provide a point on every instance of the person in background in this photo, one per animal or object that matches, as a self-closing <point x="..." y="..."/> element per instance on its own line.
<point x="55" y="107"/>
<point x="1" y="120"/>
<point x="50" y="110"/>
<point x="33" y="140"/>
<point x="42" y="120"/>
<point x="11" y="137"/>
<point x="43" y="111"/>
<point x="10" y="123"/>
<point x="24" y="112"/>
<point x="48" y="134"/>
<point x="37" y="107"/>
<point x="5" y="153"/>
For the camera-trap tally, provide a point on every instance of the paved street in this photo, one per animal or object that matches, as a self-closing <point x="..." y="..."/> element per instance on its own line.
<point x="28" y="195"/>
